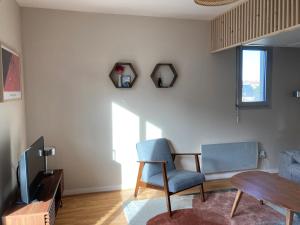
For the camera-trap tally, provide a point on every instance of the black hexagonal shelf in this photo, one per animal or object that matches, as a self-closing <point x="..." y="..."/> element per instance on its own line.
<point x="164" y="75"/>
<point x="123" y="75"/>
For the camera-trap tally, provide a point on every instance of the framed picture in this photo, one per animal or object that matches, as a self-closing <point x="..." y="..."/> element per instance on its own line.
<point x="126" y="81"/>
<point x="10" y="75"/>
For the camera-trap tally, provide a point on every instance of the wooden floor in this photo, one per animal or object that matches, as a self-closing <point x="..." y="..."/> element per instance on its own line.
<point x="106" y="208"/>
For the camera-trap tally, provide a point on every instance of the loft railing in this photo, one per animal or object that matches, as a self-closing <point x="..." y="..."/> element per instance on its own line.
<point x="252" y="20"/>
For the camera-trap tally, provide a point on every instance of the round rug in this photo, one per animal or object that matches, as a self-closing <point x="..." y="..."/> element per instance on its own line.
<point x="216" y="211"/>
<point x="189" y="217"/>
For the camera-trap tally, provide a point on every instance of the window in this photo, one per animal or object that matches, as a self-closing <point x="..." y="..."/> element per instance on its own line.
<point x="253" y="76"/>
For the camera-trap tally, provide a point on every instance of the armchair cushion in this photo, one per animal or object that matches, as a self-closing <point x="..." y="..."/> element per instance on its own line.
<point x="154" y="150"/>
<point x="179" y="180"/>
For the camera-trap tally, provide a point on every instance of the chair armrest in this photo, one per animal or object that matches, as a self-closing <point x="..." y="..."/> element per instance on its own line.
<point x="185" y="154"/>
<point x="163" y="162"/>
<point x="196" y="155"/>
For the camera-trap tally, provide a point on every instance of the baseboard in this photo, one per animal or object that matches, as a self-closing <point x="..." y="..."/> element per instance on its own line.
<point x="227" y="175"/>
<point x="88" y="190"/>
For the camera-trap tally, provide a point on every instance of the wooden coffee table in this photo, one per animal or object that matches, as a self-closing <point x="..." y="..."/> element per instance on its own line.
<point x="268" y="187"/>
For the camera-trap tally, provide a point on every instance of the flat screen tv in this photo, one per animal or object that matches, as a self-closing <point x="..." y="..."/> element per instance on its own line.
<point x="30" y="173"/>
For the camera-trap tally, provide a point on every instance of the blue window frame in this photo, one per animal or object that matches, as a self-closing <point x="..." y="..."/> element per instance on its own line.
<point x="253" y="76"/>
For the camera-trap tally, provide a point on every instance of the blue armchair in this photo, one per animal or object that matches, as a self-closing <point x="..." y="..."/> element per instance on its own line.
<point x="157" y="170"/>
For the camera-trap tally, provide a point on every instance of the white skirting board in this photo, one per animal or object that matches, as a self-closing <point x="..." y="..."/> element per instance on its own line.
<point x="88" y="190"/>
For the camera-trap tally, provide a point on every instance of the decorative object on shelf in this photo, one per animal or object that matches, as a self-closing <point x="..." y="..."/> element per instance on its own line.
<point x="10" y="75"/>
<point x="164" y="75"/>
<point x="126" y="80"/>
<point x="214" y="2"/>
<point x="123" y="75"/>
<point x="159" y="82"/>
<point x="119" y="70"/>
<point x="296" y="94"/>
<point x="47" y="151"/>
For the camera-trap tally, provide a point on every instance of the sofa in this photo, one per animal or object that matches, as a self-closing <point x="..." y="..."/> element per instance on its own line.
<point x="289" y="166"/>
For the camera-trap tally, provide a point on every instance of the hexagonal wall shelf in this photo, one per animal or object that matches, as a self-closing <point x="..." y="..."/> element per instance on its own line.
<point x="164" y="75"/>
<point x="123" y="75"/>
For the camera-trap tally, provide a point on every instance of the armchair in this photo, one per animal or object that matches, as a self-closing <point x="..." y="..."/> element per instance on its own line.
<point x="157" y="170"/>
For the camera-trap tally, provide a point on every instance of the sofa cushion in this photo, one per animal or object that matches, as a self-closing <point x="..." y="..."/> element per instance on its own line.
<point x="295" y="172"/>
<point x="286" y="159"/>
<point x="178" y="180"/>
<point x="296" y="156"/>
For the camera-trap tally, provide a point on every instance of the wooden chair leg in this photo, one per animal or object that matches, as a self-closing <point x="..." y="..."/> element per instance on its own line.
<point x="168" y="203"/>
<point x="202" y="193"/>
<point x="289" y="217"/>
<point x="166" y="189"/>
<point x="137" y="186"/>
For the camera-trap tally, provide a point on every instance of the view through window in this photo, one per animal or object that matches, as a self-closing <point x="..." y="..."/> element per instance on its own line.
<point x="253" y="76"/>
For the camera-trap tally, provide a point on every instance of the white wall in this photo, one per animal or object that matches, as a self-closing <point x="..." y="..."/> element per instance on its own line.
<point x="12" y="114"/>
<point x="94" y="126"/>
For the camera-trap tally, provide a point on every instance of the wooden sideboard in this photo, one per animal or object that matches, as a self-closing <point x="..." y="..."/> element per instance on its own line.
<point x="42" y="212"/>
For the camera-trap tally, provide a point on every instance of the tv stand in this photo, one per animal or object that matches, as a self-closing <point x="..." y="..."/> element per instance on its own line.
<point x="42" y="212"/>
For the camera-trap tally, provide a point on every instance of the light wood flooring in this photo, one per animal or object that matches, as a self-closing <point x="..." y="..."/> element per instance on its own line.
<point x="106" y="208"/>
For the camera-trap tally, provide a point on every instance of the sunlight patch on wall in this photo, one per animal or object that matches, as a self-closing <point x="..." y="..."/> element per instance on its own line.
<point x="125" y="135"/>
<point x="152" y="131"/>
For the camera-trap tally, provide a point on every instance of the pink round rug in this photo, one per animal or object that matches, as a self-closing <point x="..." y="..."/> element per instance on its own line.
<point x="216" y="211"/>
<point x="188" y="217"/>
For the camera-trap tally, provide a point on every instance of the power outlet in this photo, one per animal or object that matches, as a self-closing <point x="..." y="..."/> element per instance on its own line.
<point x="262" y="154"/>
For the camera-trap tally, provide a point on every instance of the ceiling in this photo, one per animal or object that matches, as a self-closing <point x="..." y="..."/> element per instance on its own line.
<point x="158" y="8"/>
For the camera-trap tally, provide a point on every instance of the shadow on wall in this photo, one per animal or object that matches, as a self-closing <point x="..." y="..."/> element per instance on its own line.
<point x="6" y="180"/>
<point x="127" y="130"/>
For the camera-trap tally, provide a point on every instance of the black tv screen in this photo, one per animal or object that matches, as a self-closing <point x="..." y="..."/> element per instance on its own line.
<point x="31" y="167"/>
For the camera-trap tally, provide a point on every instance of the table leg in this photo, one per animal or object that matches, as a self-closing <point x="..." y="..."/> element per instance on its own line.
<point x="261" y="202"/>
<point x="289" y="217"/>
<point x="238" y="197"/>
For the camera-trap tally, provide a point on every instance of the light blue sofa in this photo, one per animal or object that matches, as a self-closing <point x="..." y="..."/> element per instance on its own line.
<point x="289" y="166"/>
